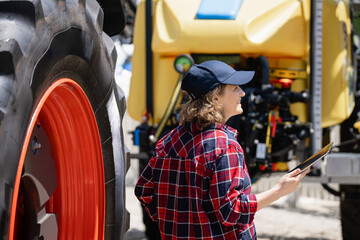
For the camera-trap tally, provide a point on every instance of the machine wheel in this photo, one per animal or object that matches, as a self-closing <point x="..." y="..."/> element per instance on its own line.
<point x="350" y="210"/>
<point x="62" y="161"/>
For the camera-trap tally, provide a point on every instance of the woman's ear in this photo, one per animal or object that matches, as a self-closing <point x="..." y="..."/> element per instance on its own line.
<point x="215" y="99"/>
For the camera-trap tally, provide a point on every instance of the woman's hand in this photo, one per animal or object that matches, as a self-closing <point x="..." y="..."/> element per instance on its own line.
<point x="290" y="182"/>
<point x="287" y="184"/>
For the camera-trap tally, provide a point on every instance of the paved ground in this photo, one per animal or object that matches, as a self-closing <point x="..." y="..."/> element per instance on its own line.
<point x="312" y="219"/>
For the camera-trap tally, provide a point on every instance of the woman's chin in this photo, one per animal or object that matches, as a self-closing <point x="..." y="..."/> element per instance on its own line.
<point x="239" y="110"/>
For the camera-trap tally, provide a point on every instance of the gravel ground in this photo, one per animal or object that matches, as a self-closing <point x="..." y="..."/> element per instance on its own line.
<point x="311" y="219"/>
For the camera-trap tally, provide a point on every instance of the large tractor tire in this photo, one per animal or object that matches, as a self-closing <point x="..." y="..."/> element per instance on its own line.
<point x="62" y="157"/>
<point x="350" y="211"/>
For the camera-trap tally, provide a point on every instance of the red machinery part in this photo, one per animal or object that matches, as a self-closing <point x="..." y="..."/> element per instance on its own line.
<point x="65" y="113"/>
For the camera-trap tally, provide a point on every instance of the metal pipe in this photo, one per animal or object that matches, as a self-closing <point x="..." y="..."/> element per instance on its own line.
<point x="316" y="37"/>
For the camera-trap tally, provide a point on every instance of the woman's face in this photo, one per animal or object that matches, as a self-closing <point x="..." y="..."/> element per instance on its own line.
<point x="230" y="100"/>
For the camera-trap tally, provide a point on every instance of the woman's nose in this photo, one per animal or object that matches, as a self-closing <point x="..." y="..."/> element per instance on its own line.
<point x="242" y="93"/>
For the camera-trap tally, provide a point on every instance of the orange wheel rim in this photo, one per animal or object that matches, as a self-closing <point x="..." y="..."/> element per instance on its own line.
<point x="78" y="201"/>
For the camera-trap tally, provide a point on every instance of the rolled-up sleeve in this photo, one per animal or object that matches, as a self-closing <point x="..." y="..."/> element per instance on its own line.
<point x="144" y="191"/>
<point x="230" y="189"/>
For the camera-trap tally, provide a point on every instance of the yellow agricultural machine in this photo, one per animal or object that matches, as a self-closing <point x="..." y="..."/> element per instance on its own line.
<point x="305" y="92"/>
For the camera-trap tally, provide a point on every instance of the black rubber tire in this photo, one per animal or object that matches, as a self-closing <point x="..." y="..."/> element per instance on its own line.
<point x="42" y="41"/>
<point x="350" y="211"/>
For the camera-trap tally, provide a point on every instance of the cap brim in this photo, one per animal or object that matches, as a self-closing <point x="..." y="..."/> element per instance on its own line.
<point x="239" y="78"/>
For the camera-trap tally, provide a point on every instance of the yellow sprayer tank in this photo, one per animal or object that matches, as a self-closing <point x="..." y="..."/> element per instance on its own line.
<point x="277" y="29"/>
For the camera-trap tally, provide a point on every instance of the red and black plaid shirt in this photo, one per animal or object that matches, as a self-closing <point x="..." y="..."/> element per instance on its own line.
<point x="196" y="186"/>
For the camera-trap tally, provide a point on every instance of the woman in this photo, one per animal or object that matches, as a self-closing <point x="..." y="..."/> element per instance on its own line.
<point x="196" y="186"/>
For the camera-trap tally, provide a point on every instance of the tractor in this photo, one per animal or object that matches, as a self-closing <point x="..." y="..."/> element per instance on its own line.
<point x="62" y="155"/>
<point x="305" y="93"/>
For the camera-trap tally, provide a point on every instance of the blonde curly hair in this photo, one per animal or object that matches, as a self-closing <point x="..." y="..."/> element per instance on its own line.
<point x="203" y="111"/>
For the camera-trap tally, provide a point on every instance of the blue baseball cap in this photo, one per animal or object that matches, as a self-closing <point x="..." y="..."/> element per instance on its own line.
<point x="204" y="77"/>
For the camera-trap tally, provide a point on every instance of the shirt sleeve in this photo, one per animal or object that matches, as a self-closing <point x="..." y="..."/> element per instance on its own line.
<point x="144" y="191"/>
<point x="227" y="189"/>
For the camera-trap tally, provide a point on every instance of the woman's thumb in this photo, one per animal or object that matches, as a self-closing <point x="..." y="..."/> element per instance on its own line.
<point x="295" y="172"/>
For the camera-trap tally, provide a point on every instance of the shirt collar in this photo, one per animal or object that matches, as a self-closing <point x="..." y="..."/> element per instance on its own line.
<point x="192" y="127"/>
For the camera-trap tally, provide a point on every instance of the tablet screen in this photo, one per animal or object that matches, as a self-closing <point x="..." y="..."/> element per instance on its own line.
<point x="314" y="158"/>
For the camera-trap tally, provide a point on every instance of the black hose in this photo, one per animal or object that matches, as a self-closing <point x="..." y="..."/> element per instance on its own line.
<point x="265" y="70"/>
<point x="331" y="190"/>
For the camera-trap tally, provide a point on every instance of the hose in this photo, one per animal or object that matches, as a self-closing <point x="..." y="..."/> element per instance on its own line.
<point x="169" y="109"/>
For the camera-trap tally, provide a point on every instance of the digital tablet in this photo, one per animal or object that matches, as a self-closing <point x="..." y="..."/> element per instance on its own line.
<point x="314" y="158"/>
